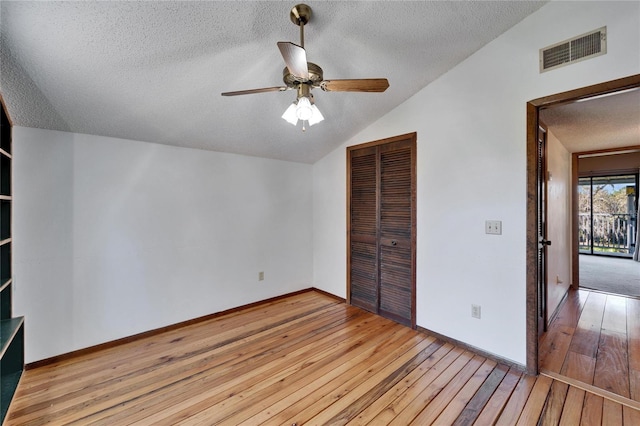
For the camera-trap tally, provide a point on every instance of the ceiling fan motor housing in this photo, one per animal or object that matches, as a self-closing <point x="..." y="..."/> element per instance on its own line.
<point x="315" y="76"/>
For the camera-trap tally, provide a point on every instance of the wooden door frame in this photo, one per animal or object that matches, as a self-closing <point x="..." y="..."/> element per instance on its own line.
<point x="413" y="138"/>
<point x="533" y="110"/>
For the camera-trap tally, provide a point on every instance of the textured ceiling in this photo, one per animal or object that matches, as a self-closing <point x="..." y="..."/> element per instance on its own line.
<point x="154" y="71"/>
<point x="598" y="123"/>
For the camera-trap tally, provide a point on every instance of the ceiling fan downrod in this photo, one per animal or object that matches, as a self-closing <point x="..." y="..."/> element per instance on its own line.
<point x="300" y="15"/>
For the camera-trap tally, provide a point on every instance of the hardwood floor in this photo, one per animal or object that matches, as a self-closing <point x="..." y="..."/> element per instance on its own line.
<point x="595" y="342"/>
<point x="303" y="359"/>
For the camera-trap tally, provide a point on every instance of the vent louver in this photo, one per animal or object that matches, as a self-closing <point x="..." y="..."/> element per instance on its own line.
<point x="575" y="49"/>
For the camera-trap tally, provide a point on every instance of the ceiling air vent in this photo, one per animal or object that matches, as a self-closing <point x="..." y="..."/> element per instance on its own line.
<point x="575" y="49"/>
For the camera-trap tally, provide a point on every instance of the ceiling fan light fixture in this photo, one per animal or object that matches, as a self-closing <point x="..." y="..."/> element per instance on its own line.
<point x="303" y="109"/>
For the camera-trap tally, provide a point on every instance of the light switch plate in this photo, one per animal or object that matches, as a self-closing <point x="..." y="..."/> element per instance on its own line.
<point x="493" y="227"/>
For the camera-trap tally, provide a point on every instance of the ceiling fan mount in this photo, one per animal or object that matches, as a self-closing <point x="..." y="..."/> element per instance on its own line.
<point x="300" y="14"/>
<point x="303" y="76"/>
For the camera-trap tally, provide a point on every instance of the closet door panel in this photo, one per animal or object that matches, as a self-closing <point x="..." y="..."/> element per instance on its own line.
<point x="364" y="228"/>
<point x="364" y="283"/>
<point x="395" y="233"/>
<point x="395" y="284"/>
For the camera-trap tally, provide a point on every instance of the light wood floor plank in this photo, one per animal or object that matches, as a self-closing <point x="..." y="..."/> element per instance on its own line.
<point x="466" y="406"/>
<point x="451" y="397"/>
<point x="554" y="346"/>
<point x="375" y="392"/>
<point x="607" y="362"/>
<point x="611" y="413"/>
<point x="394" y="408"/>
<point x="555" y="403"/>
<point x="494" y="406"/>
<point x="592" y="410"/>
<point x="517" y="401"/>
<point x="572" y="410"/>
<point x="179" y="370"/>
<point x="248" y="402"/>
<point x="318" y="328"/>
<point x="633" y="345"/>
<point x="612" y="361"/>
<point x="367" y="415"/>
<point x="300" y="407"/>
<point x="535" y="404"/>
<point x="310" y="359"/>
<point x="310" y="384"/>
<point x="338" y="413"/>
<point x="411" y="411"/>
<point x="271" y="369"/>
<point x="587" y="333"/>
<point x="630" y="416"/>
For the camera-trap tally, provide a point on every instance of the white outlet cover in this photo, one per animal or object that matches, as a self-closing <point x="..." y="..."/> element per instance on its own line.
<point x="493" y="227"/>
<point x="476" y="311"/>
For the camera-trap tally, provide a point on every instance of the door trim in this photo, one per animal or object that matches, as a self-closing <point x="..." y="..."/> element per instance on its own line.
<point x="533" y="109"/>
<point x="413" y="138"/>
<point x="543" y="281"/>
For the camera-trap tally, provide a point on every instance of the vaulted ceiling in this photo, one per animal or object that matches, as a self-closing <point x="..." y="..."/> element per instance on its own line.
<point x="154" y="71"/>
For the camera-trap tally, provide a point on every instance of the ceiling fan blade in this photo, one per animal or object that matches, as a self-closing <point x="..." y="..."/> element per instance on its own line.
<point x="262" y="90"/>
<point x="296" y="59"/>
<point x="358" y="85"/>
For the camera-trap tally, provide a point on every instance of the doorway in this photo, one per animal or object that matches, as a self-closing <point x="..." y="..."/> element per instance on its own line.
<point x="607" y="215"/>
<point x="533" y="115"/>
<point x="607" y="222"/>
<point x="381" y="228"/>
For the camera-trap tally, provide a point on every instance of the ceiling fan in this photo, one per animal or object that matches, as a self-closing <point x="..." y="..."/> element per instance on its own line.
<point x="304" y="76"/>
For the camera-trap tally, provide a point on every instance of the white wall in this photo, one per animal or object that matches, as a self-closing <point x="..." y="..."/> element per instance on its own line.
<point x="558" y="222"/>
<point x="114" y="237"/>
<point x="471" y="126"/>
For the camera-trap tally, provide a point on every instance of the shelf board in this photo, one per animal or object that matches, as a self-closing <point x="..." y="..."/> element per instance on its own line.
<point x="7" y="390"/>
<point x="5" y="283"/>
<point x="5" y="197"/>
<point x="8" y="330"/>
<point x="5" y="153"/>
<point x="5" y="241"/>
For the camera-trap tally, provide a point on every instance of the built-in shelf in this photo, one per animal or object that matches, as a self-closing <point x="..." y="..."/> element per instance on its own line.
<point x="4" y="283"/>
<point x="11" y="329"/>
<point x="11" y="360"/>
<point x="8" y="387"/>
<point x="8" y="330"/>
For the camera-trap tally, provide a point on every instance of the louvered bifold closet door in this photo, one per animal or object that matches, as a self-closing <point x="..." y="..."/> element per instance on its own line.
<point x="381" y="264"/>
<point x="364" y="224"/>
<point x="395" y="253"/>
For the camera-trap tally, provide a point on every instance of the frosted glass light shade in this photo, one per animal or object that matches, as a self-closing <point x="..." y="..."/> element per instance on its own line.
<point x="290" y="114"/>
<point x="316" y="117"/>
<point x="303" y="110"/>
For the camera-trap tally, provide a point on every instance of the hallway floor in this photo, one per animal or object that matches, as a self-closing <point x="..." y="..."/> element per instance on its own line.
<point x="595" y="342"/>
<point x="610" y="274"/>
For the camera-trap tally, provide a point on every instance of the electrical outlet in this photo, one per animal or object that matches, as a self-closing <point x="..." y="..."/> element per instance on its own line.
<point x="493" y="227"/>
<point x="476" y="311"/>
<point x="261" y="276"/>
